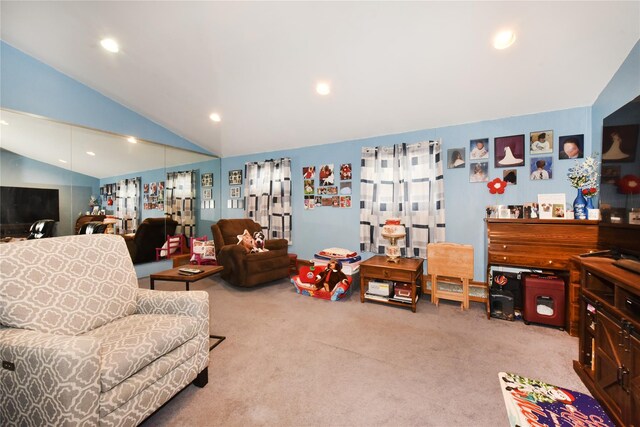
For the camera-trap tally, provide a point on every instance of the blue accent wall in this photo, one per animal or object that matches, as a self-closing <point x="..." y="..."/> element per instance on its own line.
<point x="465" y="202"/>
<point x="30" y="86"/>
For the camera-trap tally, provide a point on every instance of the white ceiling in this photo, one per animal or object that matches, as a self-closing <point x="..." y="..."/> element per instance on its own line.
<point x="393" y="66"/>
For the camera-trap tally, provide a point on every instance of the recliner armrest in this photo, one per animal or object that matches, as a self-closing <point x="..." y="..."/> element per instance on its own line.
<point x="188" y="303"/>
<point x="54" y="379"/>
<point x="275" y="244"/>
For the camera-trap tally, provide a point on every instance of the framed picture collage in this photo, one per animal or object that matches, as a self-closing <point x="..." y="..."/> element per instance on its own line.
<point x="327" y="187"/>
<point x="513" y="152"/>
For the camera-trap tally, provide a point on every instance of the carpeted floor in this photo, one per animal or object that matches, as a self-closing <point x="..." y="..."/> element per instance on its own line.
<point x="291" y="360"/>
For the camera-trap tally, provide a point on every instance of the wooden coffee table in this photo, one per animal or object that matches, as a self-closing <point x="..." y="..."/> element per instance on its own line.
<point x="174" y="275"/>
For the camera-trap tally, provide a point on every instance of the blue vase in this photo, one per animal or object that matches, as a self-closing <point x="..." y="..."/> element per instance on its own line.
<point x="580" y="206"/>
<point x="589" y="203"/>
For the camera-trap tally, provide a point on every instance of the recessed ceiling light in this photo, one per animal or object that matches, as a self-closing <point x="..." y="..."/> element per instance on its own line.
<point x="3" y="122"/>
<point x="91" y="153"/>
<point x="323" y="88"/>
<point x="504" y="39"/>
<point x="110" y="44"/>
<point x="215" y="117"/>
<point x="132" y="140"/>
<point x="62" y="161"/>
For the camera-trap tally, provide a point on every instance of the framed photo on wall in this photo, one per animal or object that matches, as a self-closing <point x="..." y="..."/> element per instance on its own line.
<point x="479" y="149"/>
<point x="479" y="172"/>
<point x="234" y="192"/>
<point x="206" y="180"/>
<point x="235" y="177"/>
<point x="206" y="194"/>
<point x="541" y="168"/>
<point x="570" y="147"/>
<point x="508" y="151"/>
<point x="541" y="142"/>
<point x="455" y="157"/>
<point x="510" y="176"/>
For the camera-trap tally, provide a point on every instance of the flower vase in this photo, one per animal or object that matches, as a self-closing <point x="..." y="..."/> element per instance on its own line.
<point x="592" y="212"/>
<point x="589" y="203"/>
<point x="580" y="206"/>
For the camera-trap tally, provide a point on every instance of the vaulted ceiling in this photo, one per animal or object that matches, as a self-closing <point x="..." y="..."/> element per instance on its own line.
<point x="392" y="66"/>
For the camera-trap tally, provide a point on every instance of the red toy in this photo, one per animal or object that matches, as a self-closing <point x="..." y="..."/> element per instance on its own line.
<point x="305" y="284"/>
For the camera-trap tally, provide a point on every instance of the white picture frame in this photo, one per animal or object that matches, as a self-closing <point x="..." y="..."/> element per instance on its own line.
<point x="552" y="206"/>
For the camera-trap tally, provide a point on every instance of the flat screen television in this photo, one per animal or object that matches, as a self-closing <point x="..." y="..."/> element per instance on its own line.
<point x="21" y="205"/>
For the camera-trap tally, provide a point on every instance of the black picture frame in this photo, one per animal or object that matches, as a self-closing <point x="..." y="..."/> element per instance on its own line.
<point x="573" y="142"/>
<point x="235" y="177"/>
<point x="206" y="180"/>
<point x="508" y="151"/>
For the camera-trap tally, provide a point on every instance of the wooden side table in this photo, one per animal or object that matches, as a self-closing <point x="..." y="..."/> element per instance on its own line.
<point x="406" y="270"/>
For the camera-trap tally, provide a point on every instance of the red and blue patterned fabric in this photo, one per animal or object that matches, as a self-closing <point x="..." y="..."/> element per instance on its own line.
<point x="304" y="283"/>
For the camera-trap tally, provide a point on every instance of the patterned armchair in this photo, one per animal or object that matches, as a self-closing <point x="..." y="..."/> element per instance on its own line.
<point x="81" y="344"/>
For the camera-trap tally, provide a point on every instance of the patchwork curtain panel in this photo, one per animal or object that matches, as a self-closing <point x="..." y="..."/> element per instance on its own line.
<point x="403" y="181"/>
<point x="180" y="201"/>
<point x="128" y="203"/>
<point x="268" y="196"/>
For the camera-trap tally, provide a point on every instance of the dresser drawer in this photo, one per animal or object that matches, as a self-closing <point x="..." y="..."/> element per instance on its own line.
<point x="386" y="274"/>
<point x="559" y="234"/>
<point x="527" y="260"/>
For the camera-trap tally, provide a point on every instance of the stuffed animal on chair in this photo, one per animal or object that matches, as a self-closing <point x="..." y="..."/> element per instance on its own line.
<point x="258" y="242"/>
<point x="246" y="241"/>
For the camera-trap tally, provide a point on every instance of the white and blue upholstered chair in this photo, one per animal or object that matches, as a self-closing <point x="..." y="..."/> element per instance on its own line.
<point x="81" y="344"/>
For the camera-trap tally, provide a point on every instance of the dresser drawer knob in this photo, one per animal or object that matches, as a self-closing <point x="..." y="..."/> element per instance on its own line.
<point x="385" y="273"/>
<point x="504" y="258"/>
<point x="504" y="246"/>
<point x="550" y="261"/>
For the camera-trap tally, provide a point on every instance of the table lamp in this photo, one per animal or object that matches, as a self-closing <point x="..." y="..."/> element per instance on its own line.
<point x="393" y="231"/>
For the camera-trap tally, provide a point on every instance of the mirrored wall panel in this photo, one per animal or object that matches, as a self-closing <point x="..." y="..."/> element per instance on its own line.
<point x="69" y="179"/>
<point x="620" y="173"/>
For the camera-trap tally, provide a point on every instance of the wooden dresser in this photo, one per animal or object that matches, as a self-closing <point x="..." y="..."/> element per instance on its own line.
<point x="609" y="358"/>
<point x="544" y="245"/>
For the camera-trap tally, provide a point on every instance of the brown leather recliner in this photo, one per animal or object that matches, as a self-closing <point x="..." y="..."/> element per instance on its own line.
<point x="151" y="234"/>
<point x="248" y="269"/>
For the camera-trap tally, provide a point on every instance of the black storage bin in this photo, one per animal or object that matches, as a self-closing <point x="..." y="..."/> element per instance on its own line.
<point x="507" y="281"/>
<point x="501" y="304"/>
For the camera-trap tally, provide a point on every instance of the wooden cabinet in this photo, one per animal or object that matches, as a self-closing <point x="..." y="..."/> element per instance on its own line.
<point x="543" y="245"/>
<point x="609" y="355"/>
<point x="406" y="270"/>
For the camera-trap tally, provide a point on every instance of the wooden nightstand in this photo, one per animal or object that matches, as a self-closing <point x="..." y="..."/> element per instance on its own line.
<point x="406" y="270"/>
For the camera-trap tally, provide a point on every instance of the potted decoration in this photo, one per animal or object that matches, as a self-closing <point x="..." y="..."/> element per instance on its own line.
<point x="584" y="177"/>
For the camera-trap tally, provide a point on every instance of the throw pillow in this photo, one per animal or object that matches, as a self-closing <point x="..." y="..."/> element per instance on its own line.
<point x="246" y="240"/>
<point x="205" y="249"/>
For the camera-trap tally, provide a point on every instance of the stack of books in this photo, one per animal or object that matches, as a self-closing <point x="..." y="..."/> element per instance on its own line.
<point x="350" y="260"/>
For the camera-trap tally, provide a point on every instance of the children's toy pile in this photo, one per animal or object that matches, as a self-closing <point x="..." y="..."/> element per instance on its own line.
<point x="350" y="260"/>
<point x="330" y="275"/>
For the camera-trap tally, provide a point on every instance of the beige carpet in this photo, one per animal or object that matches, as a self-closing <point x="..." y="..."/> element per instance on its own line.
<point x="291" y="360"/>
